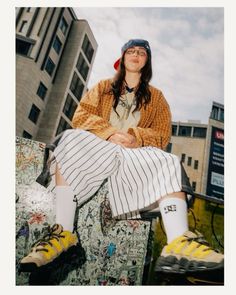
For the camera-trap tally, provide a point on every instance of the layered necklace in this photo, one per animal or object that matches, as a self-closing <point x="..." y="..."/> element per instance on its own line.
<point x="126" y="102"/>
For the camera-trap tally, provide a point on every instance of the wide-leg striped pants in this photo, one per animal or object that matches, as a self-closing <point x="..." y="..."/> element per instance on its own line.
<point x="137" y="178"/>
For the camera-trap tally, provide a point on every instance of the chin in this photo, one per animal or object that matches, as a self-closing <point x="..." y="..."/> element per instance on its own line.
<point x="133" y="69"/>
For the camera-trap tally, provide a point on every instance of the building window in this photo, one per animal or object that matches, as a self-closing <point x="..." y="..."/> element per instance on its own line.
<point x="183" y="158"/>
<point x="214" y="113"/>
<point x="69" y="107"/>
<point x="217" y="113"/>
<point x="199" y="132"/>
<point x="87" y="48"/>
<point x="185" y="131"/>
<point x="57" y="45"/>
<point x="23" y="27"/>
<point x="194" y="185"/>
<point x="42" y="90"/>
<point x="174" y="129"/>
<point x="196" y="164"/>
<point x="63" y="26"/>
<point x="221" y="115"/>
<point x="76" y="86"/>
<point x="169" y="147"/>
<point x="23" y="47"/>
<point x="189" y="161"/>
<point x="49" y="66"/>
<point x="82" y="66"/>
<point x="34" y="113"/>
<point x="63" y="125"/>
<point x="26" y="134"/>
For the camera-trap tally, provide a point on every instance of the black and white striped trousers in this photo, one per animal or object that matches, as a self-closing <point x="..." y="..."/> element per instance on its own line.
<point x="137" y="178"/>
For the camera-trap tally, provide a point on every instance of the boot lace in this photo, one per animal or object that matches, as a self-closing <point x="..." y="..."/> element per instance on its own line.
<point x="46" y="240"/>
<point x="200" y="240"/>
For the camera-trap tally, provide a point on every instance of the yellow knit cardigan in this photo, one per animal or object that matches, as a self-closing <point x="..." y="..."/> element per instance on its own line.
<point x="94" y="109"/>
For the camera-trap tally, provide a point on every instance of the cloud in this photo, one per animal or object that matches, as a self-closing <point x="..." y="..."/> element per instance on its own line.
<point x="187" y="50"/>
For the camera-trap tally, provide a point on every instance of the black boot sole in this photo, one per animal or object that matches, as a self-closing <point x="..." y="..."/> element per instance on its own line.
<point x="171" y="264"/>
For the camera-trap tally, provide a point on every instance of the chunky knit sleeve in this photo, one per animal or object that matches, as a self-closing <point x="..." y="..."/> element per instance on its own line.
<point x="158" y="132"/>
<point x="88" y="115"/>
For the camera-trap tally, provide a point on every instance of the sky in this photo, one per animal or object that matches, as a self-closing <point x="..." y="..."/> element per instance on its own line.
<point x="187" y="46"/>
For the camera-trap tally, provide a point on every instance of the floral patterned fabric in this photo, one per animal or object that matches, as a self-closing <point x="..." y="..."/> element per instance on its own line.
<point x="114" y="251"/>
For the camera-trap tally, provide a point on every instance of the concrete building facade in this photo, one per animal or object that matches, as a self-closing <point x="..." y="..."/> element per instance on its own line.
<point x="54" y="56"/>
<point x="188" y="142"/>
<point x="200" y="148"/>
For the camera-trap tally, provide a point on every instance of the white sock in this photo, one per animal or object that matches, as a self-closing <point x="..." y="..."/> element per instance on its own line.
<point x="65" y="207"/>
<point x="175" y="217"/>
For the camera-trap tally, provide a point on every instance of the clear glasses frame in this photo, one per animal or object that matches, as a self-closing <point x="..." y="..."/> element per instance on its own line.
<point x="140" y="52"/>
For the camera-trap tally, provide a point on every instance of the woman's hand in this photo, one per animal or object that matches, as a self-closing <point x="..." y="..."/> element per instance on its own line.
<point x="124" y="139"/>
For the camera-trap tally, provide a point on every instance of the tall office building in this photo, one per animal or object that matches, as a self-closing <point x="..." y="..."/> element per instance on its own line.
<point x="200" y="147"/>
<point x="54" y="56"/>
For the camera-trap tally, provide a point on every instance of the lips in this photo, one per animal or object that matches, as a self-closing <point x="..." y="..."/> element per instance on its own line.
<point x="135" y="61"/>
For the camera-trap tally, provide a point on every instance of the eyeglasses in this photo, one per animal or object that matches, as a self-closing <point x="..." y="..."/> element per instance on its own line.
<point x="140" y="52"/>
